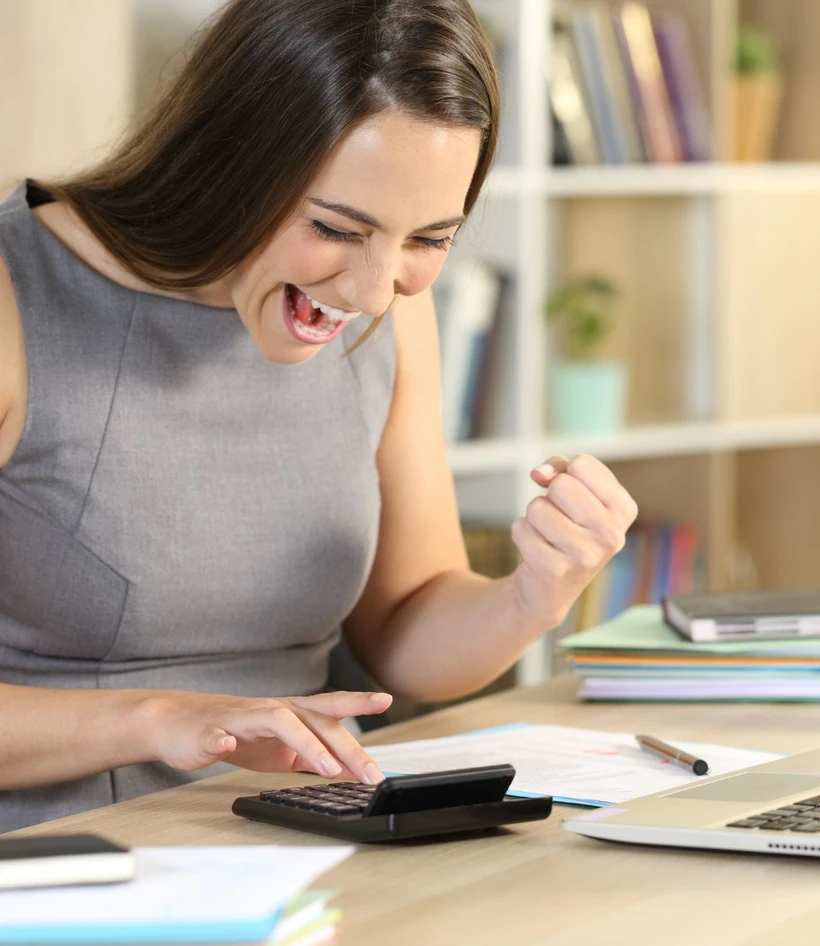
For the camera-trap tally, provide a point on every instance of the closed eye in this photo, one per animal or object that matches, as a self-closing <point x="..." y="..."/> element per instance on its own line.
<point x="343" y="236"/>
<point x="328" y="233"/>
<point x="443" y="244"/>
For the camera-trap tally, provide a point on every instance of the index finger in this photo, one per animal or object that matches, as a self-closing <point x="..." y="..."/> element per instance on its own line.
<point x="340" y="704"/>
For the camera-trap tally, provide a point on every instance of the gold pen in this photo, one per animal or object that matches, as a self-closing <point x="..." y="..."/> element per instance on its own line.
<point x="650" y="743"/>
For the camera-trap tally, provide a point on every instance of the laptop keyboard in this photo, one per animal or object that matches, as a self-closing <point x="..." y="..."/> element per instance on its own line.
<point x="802" y="817"/>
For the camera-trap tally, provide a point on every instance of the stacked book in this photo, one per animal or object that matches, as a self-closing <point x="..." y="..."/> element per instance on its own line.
<point x="637" y="656"/>
<point x="203" y="894"/>
<point x="624" y="86"/>
<point x="309" y="919"/>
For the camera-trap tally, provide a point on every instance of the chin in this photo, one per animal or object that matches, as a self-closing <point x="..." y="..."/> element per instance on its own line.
<point x="284" y="354"/>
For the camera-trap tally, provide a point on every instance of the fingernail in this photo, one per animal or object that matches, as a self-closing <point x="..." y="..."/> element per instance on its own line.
<point x="329" y="766"/>
<point x="372" y="776"/>
<point x="379" y="698"/>
<point x="547" y="469"/>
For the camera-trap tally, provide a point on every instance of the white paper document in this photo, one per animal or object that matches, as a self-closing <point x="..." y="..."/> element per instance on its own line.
<point x="578" y="766"/>
<point x="180" y="894"/>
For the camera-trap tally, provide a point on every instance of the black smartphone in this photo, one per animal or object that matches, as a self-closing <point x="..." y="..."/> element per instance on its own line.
<point x="400" y="807"/>
<point x="59" y="859"/>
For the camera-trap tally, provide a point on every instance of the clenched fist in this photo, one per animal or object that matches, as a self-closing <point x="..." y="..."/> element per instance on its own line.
<point x="568" y="534"/>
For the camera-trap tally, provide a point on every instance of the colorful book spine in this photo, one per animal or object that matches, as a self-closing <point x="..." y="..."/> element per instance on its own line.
<point x="466" y="310"/>
<point x="648" y="87"/>
<point x="657" y="558"/>
<point x="569" y="103"/>
<point x="599" y="90"/>
<point x="686" y="93"/>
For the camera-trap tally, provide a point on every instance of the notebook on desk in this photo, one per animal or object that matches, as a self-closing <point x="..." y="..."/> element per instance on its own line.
<point x="772" y="808"/>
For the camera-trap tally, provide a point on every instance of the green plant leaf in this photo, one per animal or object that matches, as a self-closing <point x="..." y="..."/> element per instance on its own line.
<point x="584" y="304"/>
<point x="755" y="52"/>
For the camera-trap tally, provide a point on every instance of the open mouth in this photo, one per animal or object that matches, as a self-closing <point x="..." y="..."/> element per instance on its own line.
<point x="311" y="321"/>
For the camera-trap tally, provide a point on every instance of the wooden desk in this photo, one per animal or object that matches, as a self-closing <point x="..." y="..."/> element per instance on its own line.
<point x="534" y="884"/>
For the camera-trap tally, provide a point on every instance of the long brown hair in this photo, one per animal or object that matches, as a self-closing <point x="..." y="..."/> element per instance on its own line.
<point x="226" y="155"/>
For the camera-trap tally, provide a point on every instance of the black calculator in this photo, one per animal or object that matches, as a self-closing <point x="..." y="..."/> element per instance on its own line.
<point x="400" y="807"/>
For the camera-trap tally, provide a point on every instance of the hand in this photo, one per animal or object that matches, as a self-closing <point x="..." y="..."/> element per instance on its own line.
<point x="288" y="734"/>
<point x="568" y="535"/>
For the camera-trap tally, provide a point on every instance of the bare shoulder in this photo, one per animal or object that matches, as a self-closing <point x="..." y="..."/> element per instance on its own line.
<point x="416" y="407"/>
<point x="12" y="368"/>
<point x="416" y="332"/>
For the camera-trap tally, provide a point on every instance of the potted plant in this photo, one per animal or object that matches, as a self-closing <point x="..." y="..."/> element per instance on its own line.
<point x="758" y="90"/>
<point x="588" y="394"/>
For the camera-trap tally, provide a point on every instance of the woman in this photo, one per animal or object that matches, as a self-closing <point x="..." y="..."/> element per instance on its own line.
<point x="211" y="465"/>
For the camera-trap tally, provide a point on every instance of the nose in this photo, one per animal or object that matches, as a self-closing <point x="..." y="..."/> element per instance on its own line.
<point x="371" y="285"/>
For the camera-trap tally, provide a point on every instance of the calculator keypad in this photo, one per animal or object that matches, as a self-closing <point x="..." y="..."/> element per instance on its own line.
<point x="337" y="798"/>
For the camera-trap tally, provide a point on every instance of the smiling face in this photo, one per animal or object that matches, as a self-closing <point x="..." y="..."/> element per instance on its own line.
<point x="375" y="224"/>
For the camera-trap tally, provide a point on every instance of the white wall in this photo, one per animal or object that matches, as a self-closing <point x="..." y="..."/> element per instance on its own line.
<point x="161" y="30"/>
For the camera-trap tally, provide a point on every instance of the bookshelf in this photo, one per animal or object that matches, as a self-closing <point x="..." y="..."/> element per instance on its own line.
<point x="717" y="324"/>
<point x="657" y="180"/>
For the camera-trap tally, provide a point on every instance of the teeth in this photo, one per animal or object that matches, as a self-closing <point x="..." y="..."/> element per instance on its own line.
<point x="309" y="329"/>
<point x="338" y="315"/>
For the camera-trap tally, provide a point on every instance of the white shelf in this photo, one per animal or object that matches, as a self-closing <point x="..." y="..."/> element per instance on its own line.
<point x="655" y="180"/>
<point x="498" y="456"/>
<point x="485" y="456"/>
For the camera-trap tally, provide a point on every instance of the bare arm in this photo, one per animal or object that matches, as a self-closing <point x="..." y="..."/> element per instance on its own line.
<point x="56" y="735"/>
<point x="426" y="626"/>
<point x="51" y="735"/>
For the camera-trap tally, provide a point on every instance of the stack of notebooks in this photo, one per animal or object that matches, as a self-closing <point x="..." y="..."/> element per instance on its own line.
<point x="637" y="656"/>
<point x="220" y="894"/>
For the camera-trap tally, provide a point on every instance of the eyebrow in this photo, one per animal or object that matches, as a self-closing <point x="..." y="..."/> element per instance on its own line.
<point x="352" y="214"/>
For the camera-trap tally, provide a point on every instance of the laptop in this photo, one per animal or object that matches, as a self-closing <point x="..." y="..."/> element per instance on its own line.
<point x="772" y="808"/>
<point x="743" y="615"/>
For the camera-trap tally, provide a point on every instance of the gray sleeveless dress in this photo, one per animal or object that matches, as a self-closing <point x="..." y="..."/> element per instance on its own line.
<point x="180" y="512"/>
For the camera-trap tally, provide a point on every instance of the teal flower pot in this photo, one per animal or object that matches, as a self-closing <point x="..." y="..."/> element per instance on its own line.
<point x="588" y="397"/>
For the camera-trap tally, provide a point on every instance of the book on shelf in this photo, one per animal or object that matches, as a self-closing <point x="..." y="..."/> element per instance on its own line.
<point x="624" y="86"/>
<point x="650" y="96"/>
<point x="490" y="549"/>
<point x="467" y="303"/>
<point x="568" y="102"/>
<point x="485" y="404"/>
<point x="686" y="93"/>
<point x="594" y="36"/>
<point x="637" y="656"/>
<point x="658" y="558"/>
